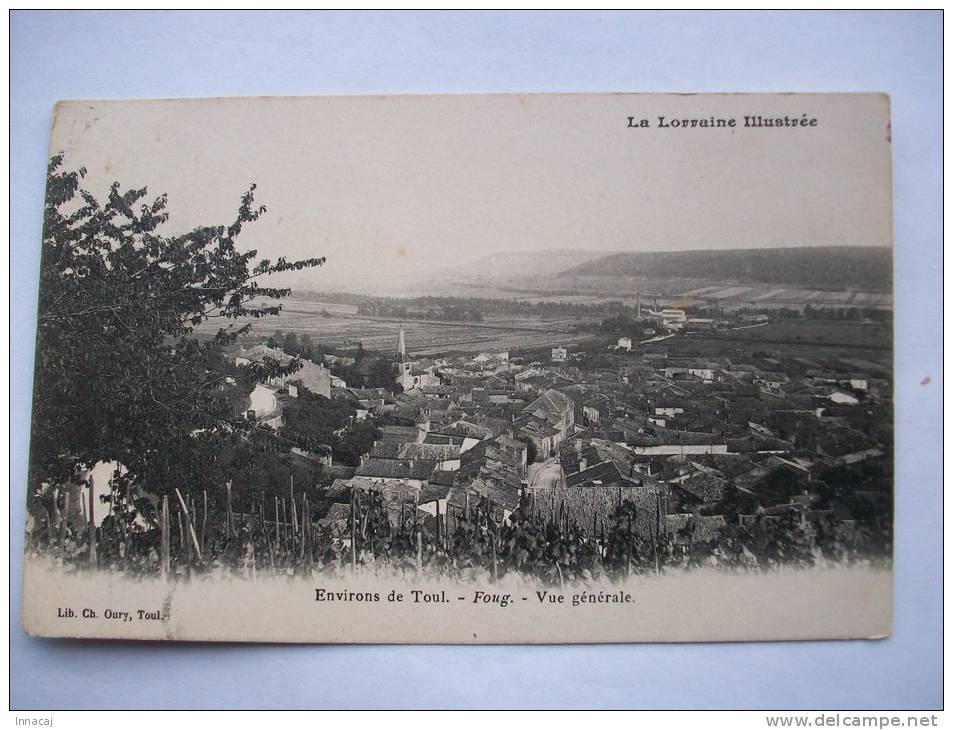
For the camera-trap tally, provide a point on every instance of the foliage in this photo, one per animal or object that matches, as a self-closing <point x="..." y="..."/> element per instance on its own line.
<point x="119" y="375"/>
<point x="313" y="420"/>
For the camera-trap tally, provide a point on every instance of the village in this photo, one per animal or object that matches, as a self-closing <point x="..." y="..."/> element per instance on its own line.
<point x="699" y="450"/>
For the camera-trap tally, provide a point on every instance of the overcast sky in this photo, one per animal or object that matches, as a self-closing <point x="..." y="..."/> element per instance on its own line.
<point x="384" y="186"/>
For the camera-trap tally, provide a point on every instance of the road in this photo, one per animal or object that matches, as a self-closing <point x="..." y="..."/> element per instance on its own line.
<point x="262" y="401"/>
<point x="544" y="475"/>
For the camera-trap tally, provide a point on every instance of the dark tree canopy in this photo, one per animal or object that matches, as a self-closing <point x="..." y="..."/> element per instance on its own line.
<point x="120" y="374"/>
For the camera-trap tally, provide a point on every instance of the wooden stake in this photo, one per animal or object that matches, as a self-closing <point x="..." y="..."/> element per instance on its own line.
<point x="628" y="561"/>
<point x="92" y="527"/>
<point x="188" y="543"/>
<point x="64" y="521"/>
<point x="420" y="551"/>
<point x="264" y="530"/>
<point x="228" y="510"/>
<point x="204" y="516"/>
<point x="353" y="529"/>
<point x="50" y="529"/>
<point x="493" y="538"/>
<point x="306" y="534"/>
<point x="420" y="545"/>
<point x="53" y="519"/>
<point x="285" y="527"/>
<point x="365" y="515"/>
<point x="164" y="538"/>
<point x="192" y="535"/>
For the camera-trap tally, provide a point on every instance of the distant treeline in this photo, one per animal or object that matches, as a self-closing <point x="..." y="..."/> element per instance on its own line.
<point x="475" y="309"/>
<point x="847" y="312"/>
<point x="460" y="308"/>
<point x="442" y="312"/>
<point x="821" y="267"/>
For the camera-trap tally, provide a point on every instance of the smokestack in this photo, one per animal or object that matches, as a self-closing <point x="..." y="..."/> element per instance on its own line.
<point x="638" y="305"/>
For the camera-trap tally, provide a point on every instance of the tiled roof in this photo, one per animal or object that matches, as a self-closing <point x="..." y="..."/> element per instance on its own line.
<point x="707" y="487"/>
<point x="429" y="452"/>
<point x="552" y="402"/>
<point x="260" y="353"/>
<point x="606" y="472"/>
<point x="396" y="469"/>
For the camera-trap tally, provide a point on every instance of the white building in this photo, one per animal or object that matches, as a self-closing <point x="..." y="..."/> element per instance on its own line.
<point x="673" y="318"/>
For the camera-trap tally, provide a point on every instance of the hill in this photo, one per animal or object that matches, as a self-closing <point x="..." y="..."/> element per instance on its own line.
<point x="822" y="267"/>
<point x="518" y="263"/>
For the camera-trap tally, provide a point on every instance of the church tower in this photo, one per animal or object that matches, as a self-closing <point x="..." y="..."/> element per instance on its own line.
<point x="403" y="364"/>
<point x="401" y="345"/>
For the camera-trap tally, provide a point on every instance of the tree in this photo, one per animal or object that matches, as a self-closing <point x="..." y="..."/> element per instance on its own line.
<point x="291" y="343"/>
<point x="306" y="347"/>
<point x="380" y="374"/>
<point x="120" y="372"/>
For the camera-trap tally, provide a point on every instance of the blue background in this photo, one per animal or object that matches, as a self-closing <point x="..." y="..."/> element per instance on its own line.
<point x="58" y="55"/>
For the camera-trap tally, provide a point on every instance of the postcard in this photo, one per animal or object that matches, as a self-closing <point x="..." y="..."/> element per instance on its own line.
<point x="506" y="368"/>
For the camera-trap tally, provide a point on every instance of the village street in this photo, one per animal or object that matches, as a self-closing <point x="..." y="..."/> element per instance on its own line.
<point x="262" y="401"/>
<point x="545" y="475"/>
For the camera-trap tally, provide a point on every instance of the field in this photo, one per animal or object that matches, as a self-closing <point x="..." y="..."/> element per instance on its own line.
<point x="869" y="346"/>
<point x="334" y="323"/>
<point x="847" y="334"/>
<point x="680" y="291"/>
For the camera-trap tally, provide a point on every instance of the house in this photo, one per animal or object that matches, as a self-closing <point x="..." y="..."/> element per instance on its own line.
<point x="705" y="371"/>
<point x="670" y="443"/>
<point x="604" y="474"/>
<point x="316" y="378"/>
<point x="771" y="380"/>
<point x="624" y="343"/>
<point x="843" y="398"/>
<point x="557" y="410"/>
<point x="445" y="456"/>
<point x="539" y="433"/>
<point x="559" y="354"/>
<point x="414" y="472"/>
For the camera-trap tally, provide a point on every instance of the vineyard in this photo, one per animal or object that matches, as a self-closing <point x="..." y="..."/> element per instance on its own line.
<point x="179" y="536"/>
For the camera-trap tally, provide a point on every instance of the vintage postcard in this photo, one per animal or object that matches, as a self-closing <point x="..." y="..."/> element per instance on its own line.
<point x="479" y="368"/>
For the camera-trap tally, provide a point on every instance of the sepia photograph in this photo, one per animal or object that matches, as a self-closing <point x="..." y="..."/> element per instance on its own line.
<point x="504" y="368"/>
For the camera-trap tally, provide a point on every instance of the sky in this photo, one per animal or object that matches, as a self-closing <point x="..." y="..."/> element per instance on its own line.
<point x="389" y="187"/>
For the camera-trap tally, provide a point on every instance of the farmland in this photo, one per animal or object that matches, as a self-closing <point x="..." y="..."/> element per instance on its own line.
<point x="675" y="291"/>
<point x="333" y="323"/>
<point x="801" y="338"/>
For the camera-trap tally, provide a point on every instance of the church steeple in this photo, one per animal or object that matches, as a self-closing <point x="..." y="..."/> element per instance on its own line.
<point x="401" y="347"/>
